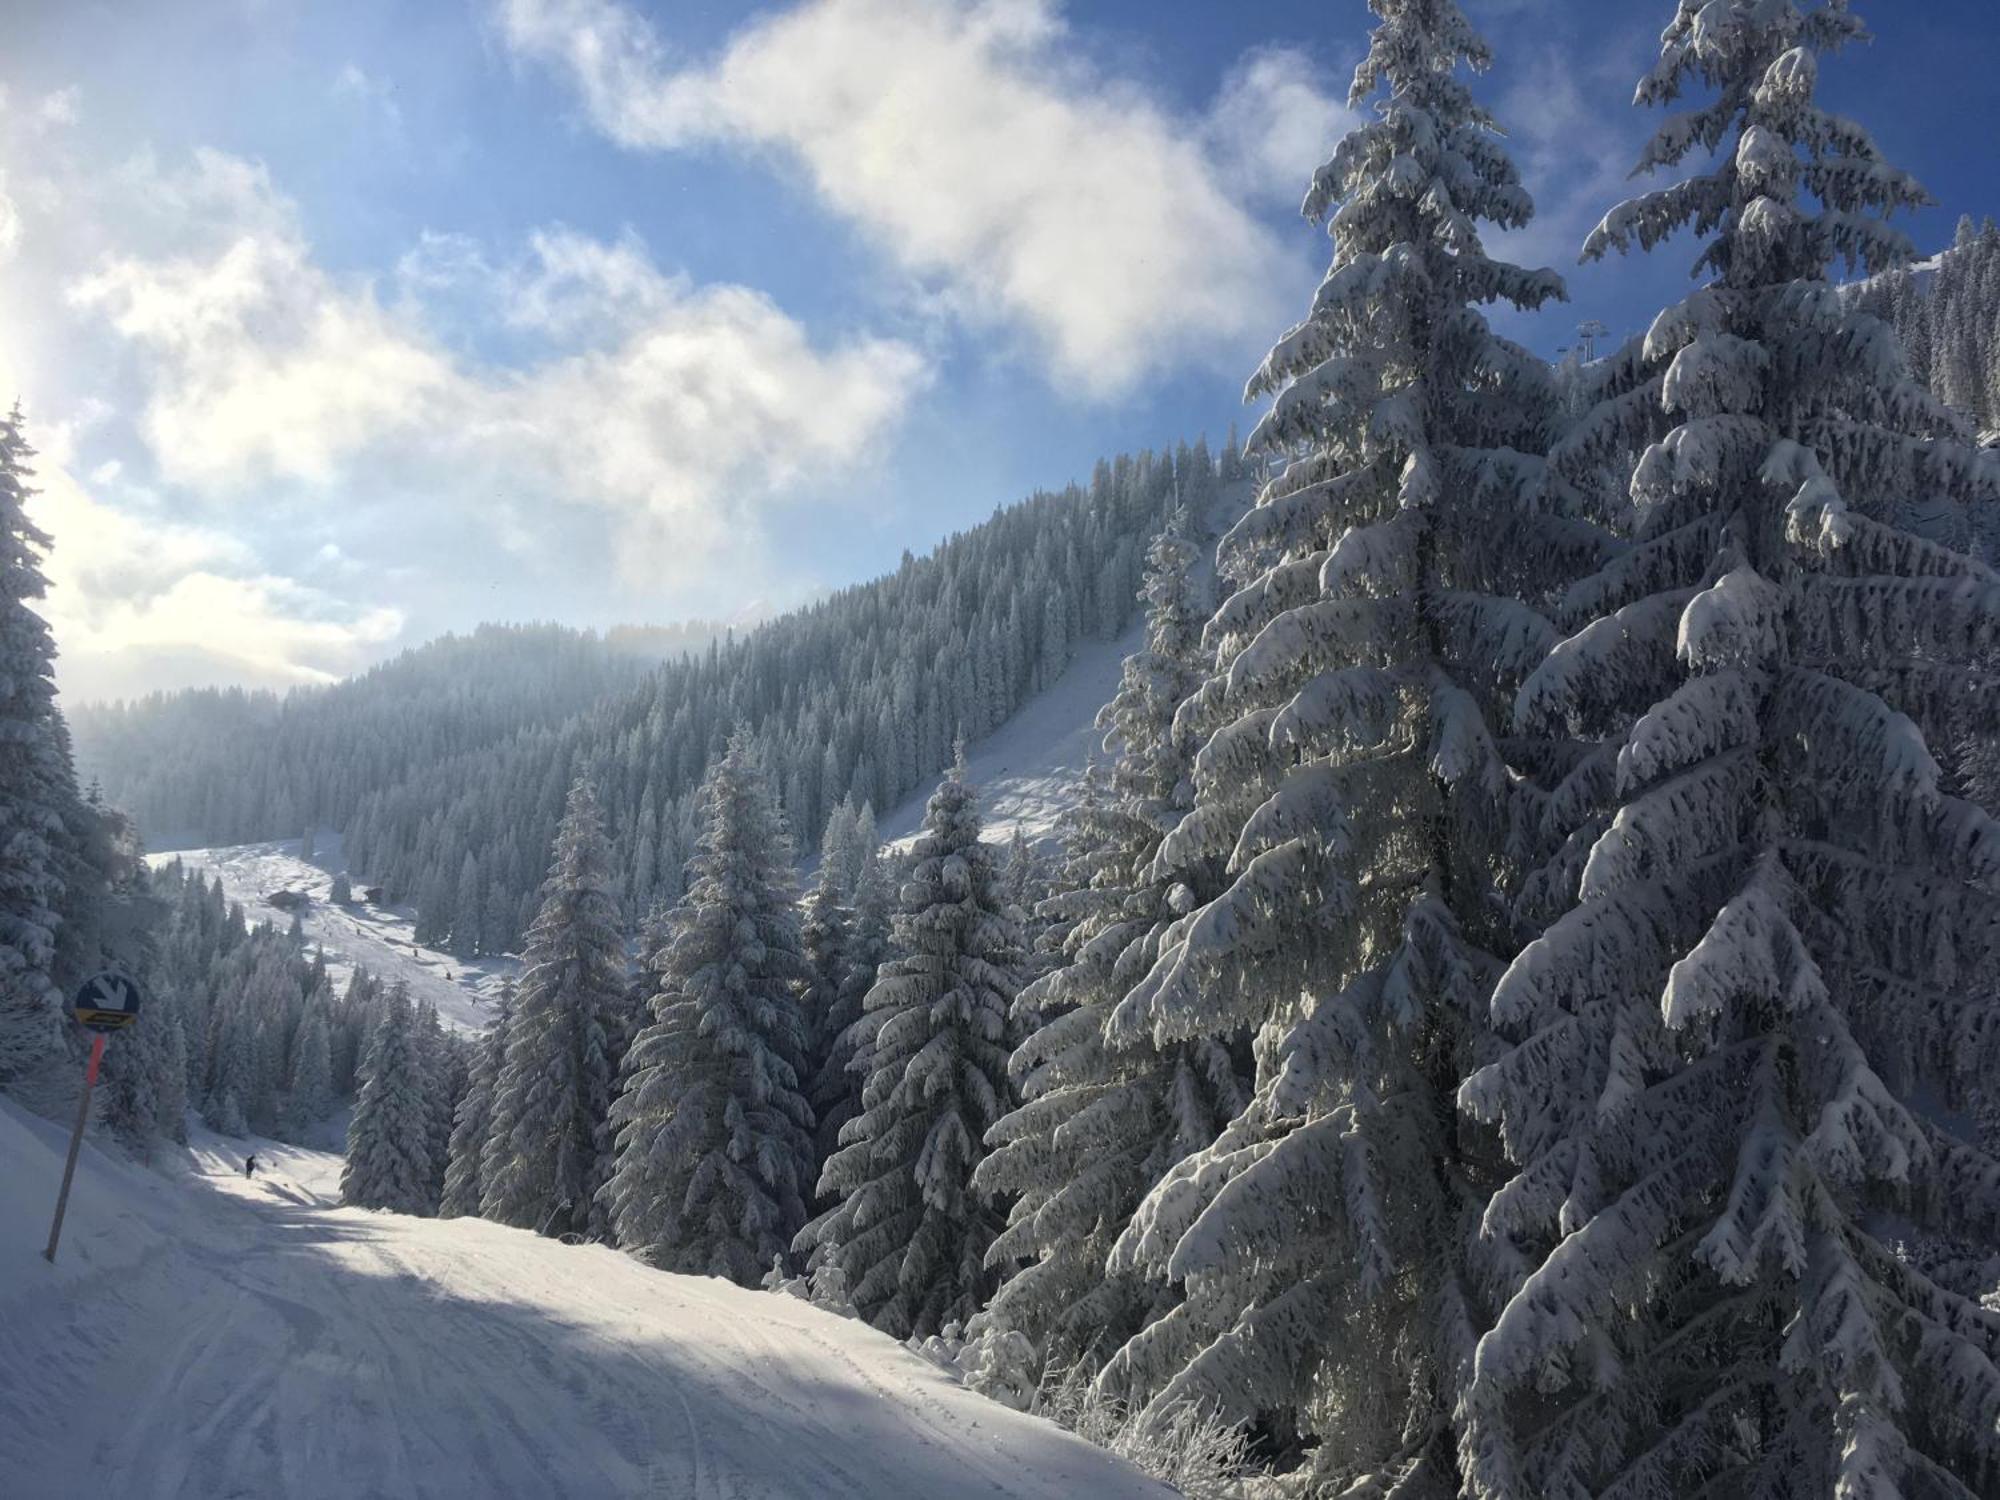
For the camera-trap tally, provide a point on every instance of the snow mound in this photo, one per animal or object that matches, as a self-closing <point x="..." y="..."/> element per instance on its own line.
<point x="215" y="1336"/>
<point x="380" y="939"/>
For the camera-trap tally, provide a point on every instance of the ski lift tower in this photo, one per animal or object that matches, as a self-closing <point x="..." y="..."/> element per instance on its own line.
<point x="1587" y="334"/>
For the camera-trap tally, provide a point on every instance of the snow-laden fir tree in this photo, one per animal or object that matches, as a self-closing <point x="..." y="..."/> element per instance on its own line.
<point x="839" y="1071"/>
<point x="309" y="1088"/>
<point x="472" y="1122"/>
<point x="446" y="1069"/>
<point x="1355" y="788"/>
<point x="715" y="1145"/>
<point x="389" y="1137"/>
<point x="823" y="938"/>
<point x="1101" y="1125"/>
<point x="1778" y="965"/>
<point x="142" y="1089"/>
<point x="550" y="1146"/>
<point x="34" y="781"/>
<point x="909" y="1233"/>
<point x="233" y="1060"/>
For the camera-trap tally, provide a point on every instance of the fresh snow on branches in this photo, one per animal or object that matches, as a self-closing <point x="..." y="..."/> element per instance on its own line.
<point x="548" y="1148"/>
<point x="715" y="1145"/>
<point x="1780" y="939"/>
<point x="909" y="1232"/>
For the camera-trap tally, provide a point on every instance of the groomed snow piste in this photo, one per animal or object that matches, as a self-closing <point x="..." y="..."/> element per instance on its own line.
<point x="380" y="939"/>
<point x="204" y="1336"/>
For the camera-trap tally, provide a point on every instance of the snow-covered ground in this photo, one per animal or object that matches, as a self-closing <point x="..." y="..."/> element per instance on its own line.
<point x="1031" y="768"/>
<point x="379" y="939"/>
<point x="203" y="1336"/>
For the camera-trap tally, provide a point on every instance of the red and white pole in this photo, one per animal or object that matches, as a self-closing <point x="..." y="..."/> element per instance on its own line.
<point x="75" y="1142"/>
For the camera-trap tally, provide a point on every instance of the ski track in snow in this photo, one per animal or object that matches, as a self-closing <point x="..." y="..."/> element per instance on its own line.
<point x="214" y="1337"/>
<point x="380" y="939"/>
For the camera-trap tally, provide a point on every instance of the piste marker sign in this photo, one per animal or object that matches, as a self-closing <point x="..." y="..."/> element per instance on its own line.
<point x="108" y="1002"/>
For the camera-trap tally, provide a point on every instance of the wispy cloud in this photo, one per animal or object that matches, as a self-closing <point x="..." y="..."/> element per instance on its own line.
<point x="141" y="602"/>
<point x="681" y="409"/>
<point x="968" y="142"/>
<point x="376" y="97"/>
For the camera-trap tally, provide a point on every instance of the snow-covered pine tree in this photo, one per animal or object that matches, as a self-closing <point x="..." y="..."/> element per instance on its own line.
<point x="445" y="1073"/>
<point x="472" y="1122"/>
<point x="550" y="1147"/>
<point x="715" y="1146"/>
<point x="909" y="1234"/>
<point x="839" y="1077"/>
<point x="129" y="1100"/>
<point x="233" y="1062"/>
<point x="1101" y="1125"/>
<point x="389" y="1138"/>
<point x="309" y="1089"/>
<point x="1356" y="792"/>
<point x="34" y="782"/>
<point x="838" y="850"/>
<point x="1724" y="1101"/>
<point x="823" y="938"/>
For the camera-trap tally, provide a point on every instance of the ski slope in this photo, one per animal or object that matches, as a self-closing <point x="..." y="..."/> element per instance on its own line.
<point x="211" y="1337"/>
<point x="379" y="939"/>
<point x="1030" y="769"/>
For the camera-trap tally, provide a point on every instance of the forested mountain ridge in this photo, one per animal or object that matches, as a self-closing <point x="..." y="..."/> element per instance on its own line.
<point x="447" y="768"/>
<point x="1946" y="314"/>
<point x="227" y="766"/>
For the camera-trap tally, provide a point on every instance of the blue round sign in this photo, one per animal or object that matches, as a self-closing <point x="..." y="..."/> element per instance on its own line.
<point x="108" y="1001"/>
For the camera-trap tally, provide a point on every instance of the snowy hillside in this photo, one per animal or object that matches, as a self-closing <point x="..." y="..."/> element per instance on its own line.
<point x="379" y="939"/>
<point x="215" y="1337"/>
<point x="1031" y="767"/>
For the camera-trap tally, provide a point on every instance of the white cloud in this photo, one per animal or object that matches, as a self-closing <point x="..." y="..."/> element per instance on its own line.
<point x="1546" y="113"/>
<point x="966" y="141"/>
<point x="139" y="603"/>
<point x="684" y="410"/>
<point x="1275" y="122"/>
<point x="57" y="109"/>
<point x="377" y="96"/>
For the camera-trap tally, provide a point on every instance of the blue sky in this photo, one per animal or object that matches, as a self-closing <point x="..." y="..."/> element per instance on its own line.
<point x="342" y="325"/>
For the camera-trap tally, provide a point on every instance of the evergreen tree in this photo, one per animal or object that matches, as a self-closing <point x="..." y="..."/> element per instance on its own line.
<point x="343" y="890"/>
<point x="823" y="938"/>
<point x="550" y="1147"/>
<point x="1100" y="1125"/>
<point x="839" y="1069"/>
<point x="135" y="1093"/>
<point x="389" y="1138"/>
<point x="233" y="1065"/>
<point x="309" y="1088"/>
<point x="715" y="1153"/>
<point x="1358" y="794"/>
<point x="909" y="1234"/>
<point x="170" y="1100"/>
<point x="1731" y="1048"/>
<point x="472" y="1122"/>
<point x="446" y="1071"/>
<point x="34" y="781"/>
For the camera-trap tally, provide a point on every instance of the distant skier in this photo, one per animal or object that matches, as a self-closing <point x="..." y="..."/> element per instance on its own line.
<point x="250" y="1165"/>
